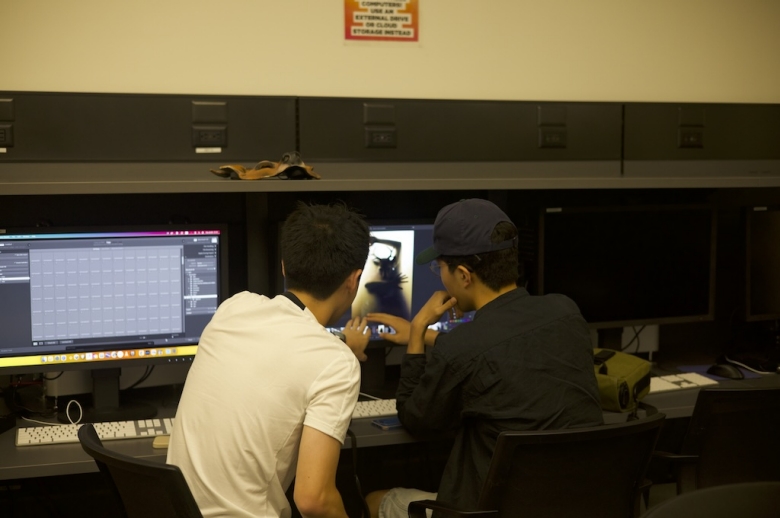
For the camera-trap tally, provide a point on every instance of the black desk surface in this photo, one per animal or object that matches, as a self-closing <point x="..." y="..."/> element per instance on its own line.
<point x="67" y="459"/>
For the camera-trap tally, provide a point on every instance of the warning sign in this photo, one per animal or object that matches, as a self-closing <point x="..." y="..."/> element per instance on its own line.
<point x="381" y="20"/>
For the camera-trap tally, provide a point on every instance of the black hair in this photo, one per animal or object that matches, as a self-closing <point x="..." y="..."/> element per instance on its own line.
<point x="321" y="246"/>
<point x="495" y="269"/>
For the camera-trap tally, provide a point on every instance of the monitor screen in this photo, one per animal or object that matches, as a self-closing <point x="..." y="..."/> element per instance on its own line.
<point x="763" y="255"/>
<point x="392" y="282"/>
<point x="631" y="265"/>
<point x="100" y="299"/>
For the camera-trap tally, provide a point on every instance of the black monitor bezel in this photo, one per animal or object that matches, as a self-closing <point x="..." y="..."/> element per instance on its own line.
<point x="749" y="316"/>
<point x="607" y="324"/>
<point x="222" y="267"/>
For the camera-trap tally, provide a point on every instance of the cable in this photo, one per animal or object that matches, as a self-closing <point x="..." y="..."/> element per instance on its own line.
<point x="143" y="378"/>
<point x="67" y="412"/>
<point x="42" y="422"/>
<point x="757" y="370"/>
<point x="369" y="396"/>
<point x="54" y="378"/>
<point x="636" y="337"/>
<point x="364" y="504"/>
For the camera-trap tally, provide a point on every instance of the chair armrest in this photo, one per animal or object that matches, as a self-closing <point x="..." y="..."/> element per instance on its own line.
<point x="684" y="466"/>
<point x="417" y="510"/>
<point x="676" y="457"/>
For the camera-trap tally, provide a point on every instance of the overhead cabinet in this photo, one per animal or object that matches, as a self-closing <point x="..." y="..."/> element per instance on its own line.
<point x="701" y="140"/>
<point x="400" y="130"/>
<point x="61" y="127"/>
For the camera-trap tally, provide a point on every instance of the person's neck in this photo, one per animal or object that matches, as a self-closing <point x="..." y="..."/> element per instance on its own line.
<point x="323" y="310"/>
<point x="484" y="295"/>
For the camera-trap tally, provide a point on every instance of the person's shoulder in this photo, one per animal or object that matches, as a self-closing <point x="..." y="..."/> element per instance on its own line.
<point x="241" y="302"/>
<point x="559" y="302"/>
<point x="245" y="297"/>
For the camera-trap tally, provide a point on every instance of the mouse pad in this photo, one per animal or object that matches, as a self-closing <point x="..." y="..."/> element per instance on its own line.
<point x="702" y="369"/>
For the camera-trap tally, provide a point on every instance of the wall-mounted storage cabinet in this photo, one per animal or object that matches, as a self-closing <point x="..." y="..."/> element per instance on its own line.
<point x="58" y="127"/>
<point x="80" y="143"/>
<point x="674" y="140"/>
<point x="367" y="130"/>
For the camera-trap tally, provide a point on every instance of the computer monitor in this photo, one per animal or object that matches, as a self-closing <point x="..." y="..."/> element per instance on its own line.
<point x="102" y="299"/>
<point x="392" y="282"/>
<point x="631" y="266"/>
<point x="762" y="247"/>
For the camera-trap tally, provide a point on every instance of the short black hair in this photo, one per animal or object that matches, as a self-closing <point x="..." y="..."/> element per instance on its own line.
<point x="495" y="269"/>
<point x="321" y="245"/>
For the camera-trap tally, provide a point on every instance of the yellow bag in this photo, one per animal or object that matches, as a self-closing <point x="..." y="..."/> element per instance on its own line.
<point x="623" y="379"/>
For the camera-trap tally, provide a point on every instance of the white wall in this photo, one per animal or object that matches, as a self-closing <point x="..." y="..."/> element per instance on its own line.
<point x="597" y="50"/>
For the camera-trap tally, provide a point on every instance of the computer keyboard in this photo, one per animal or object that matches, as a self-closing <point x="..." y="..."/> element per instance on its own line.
<point x="67" y="433"/>
<point x="680" y="381"/>
<point x="374" y="408"/>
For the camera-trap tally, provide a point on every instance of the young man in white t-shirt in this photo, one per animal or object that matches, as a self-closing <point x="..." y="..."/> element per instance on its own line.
<point x="271" y="393"/>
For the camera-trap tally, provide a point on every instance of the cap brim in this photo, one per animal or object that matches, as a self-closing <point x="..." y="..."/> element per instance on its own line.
<point x="426" y="256"/>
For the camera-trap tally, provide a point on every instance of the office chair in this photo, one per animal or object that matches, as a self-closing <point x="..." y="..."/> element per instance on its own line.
<point x="585" y="472"/>
<point x="753" y="499"/>
<point x="733" y="437"/>
<point x="147" y="489"/>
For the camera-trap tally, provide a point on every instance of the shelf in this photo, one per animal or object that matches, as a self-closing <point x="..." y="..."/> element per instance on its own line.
<point x="121" y="178"/>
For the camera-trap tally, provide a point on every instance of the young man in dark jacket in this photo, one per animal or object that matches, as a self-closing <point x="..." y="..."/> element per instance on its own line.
<point x="523" y="363"/>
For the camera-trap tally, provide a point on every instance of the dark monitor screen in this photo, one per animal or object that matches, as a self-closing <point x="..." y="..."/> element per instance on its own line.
<point x="392" y="282"/>
<point x="763" y="256"/>
<point x="104" y="299"/>
<point x="631" y="265"/>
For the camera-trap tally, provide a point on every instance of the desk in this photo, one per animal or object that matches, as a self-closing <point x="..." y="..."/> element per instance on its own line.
<point x="69" y="459"/>
<point x="680" y="403"/>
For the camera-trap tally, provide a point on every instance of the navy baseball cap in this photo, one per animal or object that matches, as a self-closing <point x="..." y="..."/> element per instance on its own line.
<point x="464" y="228"/>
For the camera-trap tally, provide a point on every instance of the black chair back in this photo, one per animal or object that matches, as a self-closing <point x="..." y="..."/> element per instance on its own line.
<point x="584" y="472"/>
<point x="752" y="499"/>
<point x="576" y="472"/>
<point x="736" y="435"/>
<point x="146" y="488"/>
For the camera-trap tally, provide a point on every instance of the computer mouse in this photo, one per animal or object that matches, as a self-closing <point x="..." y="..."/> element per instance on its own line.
<point x="726" y="370"/>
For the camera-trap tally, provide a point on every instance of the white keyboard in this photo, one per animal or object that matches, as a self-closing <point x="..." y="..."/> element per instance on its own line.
<point x="679" y="381"/>
<point x="67" y="433"/>
<point x="375" y="408"/>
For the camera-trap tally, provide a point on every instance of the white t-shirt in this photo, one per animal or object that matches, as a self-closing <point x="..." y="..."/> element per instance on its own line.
<point x="264" y="369"/>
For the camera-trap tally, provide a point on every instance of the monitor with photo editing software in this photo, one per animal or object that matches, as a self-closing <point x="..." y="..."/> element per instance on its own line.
<point x="106" y="298"/>
<point x="392" y="282"/>
<point x="631" y="266"/>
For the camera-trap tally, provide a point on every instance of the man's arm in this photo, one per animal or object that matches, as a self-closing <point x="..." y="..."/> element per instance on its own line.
<point x="426" y="398"/>
<point x="315" y="492"/>
<point x="356" y="336"/>
<point x="439" y="303"/>
<point x="402" y="329"/>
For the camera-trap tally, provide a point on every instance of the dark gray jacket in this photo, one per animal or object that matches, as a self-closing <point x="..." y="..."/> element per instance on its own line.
<point x="523" y="363"/>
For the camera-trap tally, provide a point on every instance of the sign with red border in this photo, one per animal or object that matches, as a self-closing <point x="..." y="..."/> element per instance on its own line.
<point x="381" y="20"/>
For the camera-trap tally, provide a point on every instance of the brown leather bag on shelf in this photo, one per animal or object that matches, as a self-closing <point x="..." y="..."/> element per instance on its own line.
<point x="290" y="167"/>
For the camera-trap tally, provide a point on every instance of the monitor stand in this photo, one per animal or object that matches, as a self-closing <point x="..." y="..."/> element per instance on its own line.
<point x="376" y="380"/>
<point x="106" y="403"/>
<point x="611" y="338"/>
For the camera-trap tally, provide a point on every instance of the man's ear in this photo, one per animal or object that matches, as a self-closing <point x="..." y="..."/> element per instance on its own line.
<point x="353" y="281"/>
<point x="463" y="276"/>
